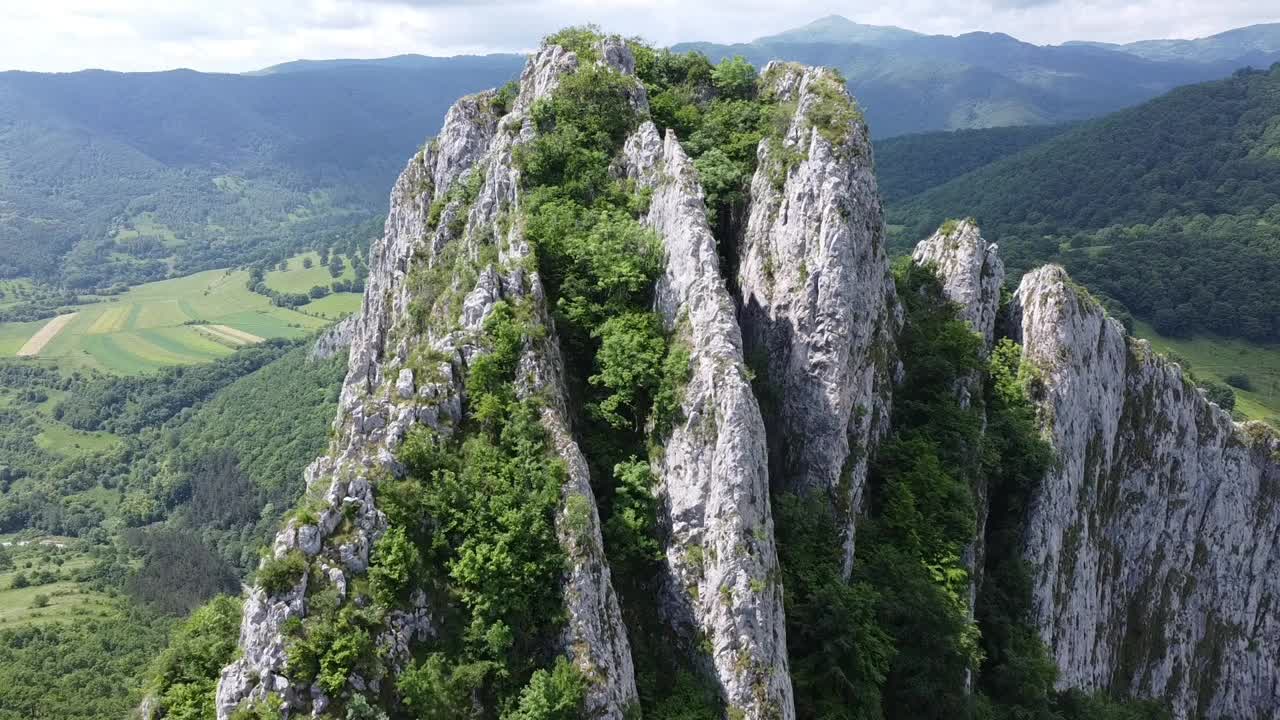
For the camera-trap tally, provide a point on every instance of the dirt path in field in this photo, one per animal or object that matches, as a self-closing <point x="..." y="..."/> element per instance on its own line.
<point x="50" y="330"/>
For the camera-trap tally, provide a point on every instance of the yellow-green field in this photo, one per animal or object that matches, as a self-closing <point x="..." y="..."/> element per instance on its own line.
<point x="147" y="327"/>
<point x="67" y="441"/>
<point x="1216" y="358"/>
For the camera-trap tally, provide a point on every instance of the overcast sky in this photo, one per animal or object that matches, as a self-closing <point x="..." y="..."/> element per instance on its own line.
<point x="239" y="35"/>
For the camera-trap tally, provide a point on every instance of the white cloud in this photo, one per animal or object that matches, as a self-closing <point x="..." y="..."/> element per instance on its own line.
<point x="238" y="35"/>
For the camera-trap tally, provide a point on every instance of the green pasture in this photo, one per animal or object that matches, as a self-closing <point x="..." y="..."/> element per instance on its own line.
<point x="63" y="599"/>
<point x="298" y="279"/>
<point x="335" y="306"/>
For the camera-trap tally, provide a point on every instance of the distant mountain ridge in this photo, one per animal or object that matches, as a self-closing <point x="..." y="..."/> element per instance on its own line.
<point x="1254" y="41"/>
<point x="112" y="177"/>
<point x="908" y="82"/>
<point x="118" y="178"/>
<point x="412" y="61"/>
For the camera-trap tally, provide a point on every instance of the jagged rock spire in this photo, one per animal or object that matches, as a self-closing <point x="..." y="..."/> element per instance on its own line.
<point x="819" y="309"/>
<point x="971" y="271"/>
<point x="388" y="390"/>
<point x="713" y="474"/>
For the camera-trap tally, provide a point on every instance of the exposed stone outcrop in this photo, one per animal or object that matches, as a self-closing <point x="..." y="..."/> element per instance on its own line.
<point x="406" y="362"/>
<point x="818" y="304"/>
<point x="971" y="271"/>
<point x="337" y="339"/>
<point x="1155" y="540"/>
<point x="713" y="473"/>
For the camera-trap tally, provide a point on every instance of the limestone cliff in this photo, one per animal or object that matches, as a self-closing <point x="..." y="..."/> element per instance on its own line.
<point x="1154" y="541"/>
<point x="818" y="302"/>
<point x="971" y="271"/>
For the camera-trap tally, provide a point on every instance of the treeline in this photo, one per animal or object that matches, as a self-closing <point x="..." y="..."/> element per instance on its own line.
<point x="127" y="404"/>
<point x="1171" y="208"/>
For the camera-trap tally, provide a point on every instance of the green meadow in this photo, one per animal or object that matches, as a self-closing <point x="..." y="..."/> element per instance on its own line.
<point x="1216" y="358"/>
<point x="299" y="279"/>
<point x="335" y="306"/>
<point x="156" y="325"/>
<point x="52" y="592"/>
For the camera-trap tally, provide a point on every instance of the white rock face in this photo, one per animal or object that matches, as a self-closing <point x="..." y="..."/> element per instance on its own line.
<point x="406" y="365"/>
<point x="971" y="272"/>
<point x="819" y="309"/>
<point x="713" y="476"/>
<point x="1156" y="538"/>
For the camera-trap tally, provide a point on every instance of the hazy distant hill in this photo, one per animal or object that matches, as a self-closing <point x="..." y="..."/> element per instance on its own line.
<point x="500" y="62"/>
<point x="908" y="82"/>
<point x="1256" y="44"/>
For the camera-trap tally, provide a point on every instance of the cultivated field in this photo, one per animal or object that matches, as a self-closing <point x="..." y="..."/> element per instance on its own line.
<point x="154" y="325"/>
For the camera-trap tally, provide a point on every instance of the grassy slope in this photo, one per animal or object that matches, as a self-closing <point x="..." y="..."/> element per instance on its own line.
<point x="143" y="329"/>
<point x="1215" y="358"/>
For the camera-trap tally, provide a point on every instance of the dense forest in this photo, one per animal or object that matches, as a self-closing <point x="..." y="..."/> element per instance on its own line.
<point x="907" y="165"/>
<point x="1171" y="208"/>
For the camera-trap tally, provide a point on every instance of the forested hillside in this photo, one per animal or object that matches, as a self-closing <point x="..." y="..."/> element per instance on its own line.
<point x="1171" y="208"/>
<point x="908" y="165"/>
<point x="187" y="473"/>
<point x="112" y="178"/>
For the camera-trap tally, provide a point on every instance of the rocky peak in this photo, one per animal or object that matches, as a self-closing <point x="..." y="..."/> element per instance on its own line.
<point x="971" y="271"/>
<point x="1156" y="537"/>
<point x="819" y="309"/>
